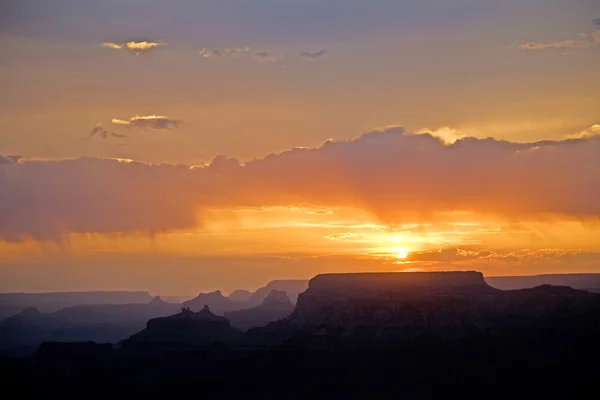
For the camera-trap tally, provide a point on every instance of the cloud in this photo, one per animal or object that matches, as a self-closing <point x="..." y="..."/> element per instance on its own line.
<point x="136" y="47"/>
<point x="564" y="44"/>
<point x="5" y="160"/>
<point x="155" y="122"/>
<point x="267" y="57"/>
<point x="446" y="134"/>
<point x="585" y="39"/>
<point x="534" y="260"/>
<point x="448" y="254"/>
<point x="397" y="176"/>
<point x="228" y="53"/>
<point x="261" y="56"/>
<point x="100" y="131"/>
<point x="592" y="131"/>
<point x="313" y="56"/>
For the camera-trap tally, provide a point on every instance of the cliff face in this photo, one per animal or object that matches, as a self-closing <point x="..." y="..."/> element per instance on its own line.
<point x="275" y="307"/>
<point x="402" y="306"/>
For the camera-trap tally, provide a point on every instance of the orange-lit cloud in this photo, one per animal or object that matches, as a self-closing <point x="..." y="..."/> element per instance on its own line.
<point x="592" y="131"/>
<point x="396" y="176"/>
<point x="156" y="122"/>
<point x="137" y="47"/>
<point x="525" y="257"/>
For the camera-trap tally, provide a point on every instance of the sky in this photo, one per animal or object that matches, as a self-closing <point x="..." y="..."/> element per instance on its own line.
<point x="187" y="146"/>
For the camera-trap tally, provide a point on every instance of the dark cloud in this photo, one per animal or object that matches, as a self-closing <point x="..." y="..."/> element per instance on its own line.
<point x="313" y="55"/>
<point x="597" y="22"/>
<point x="155" y="122"/>
<point x="267" y="57"/>
<point x="398" y="177"/>
<point x="100" y="131"/>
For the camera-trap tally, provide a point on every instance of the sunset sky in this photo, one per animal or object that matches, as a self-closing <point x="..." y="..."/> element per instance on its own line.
<point x="191" y="145"/>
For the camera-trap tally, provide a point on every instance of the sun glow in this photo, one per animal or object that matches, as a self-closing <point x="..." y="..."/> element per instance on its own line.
<point x="400" y="252"/>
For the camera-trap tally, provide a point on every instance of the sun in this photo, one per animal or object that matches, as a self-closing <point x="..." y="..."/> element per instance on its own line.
<point x="400" y="252"/>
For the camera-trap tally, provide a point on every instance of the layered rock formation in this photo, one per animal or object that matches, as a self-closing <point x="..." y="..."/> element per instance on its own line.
<point x="394" y="307"/>
<point x="275" y="307"/>
<point x="187" y="328"/>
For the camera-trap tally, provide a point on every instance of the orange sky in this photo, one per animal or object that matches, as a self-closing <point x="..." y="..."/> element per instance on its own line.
<point x="188" y="146"/>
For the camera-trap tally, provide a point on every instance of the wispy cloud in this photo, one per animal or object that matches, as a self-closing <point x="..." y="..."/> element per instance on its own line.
<point x="584" y="39"/>
<point x="136" y="47"/>
<point x="228" y="53"/>
<point x="564" y="44"/>
<point x="156" y="122"/>
<point x="260" y="56"/>
<point x="313" y="56"/>
<point x="103" y="133"/>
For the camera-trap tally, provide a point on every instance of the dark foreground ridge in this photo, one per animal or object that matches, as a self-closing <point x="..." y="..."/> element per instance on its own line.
<point x="413" y="335"/>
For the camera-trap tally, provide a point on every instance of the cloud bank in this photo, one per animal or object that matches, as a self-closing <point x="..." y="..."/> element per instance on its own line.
<point x="155" y="122"/>
<point x="395" y="175"/>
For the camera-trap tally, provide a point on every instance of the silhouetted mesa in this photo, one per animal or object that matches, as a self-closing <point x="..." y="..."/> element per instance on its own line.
<point x="590" y="282"/>
<point x="11" y="303"/>
<point x="215" y="300"/>
<point x="291" y="287"/>
<point x="275" y="307"/>
<point x="187" y="328"/>
<point x="22" y="334"/>
<point x="240" y="295"/>
<point x="387" y="308"/>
